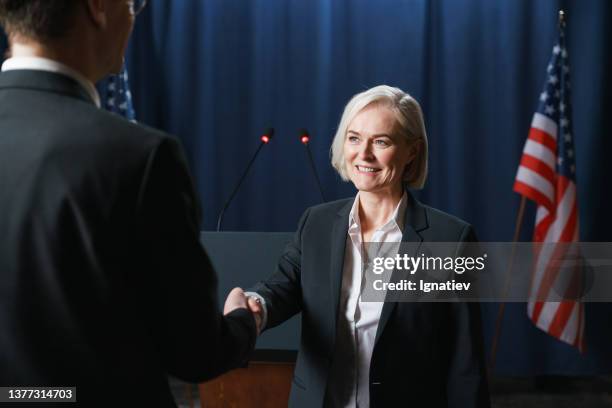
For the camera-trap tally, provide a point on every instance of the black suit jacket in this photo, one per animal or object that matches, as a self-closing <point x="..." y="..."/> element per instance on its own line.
<point x="425" y="354"/>
<point x="103" y="282"/>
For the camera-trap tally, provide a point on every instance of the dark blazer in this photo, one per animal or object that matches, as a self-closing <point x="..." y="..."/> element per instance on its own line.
<point x="103" y="282"/>
<point x="425" y="354"/>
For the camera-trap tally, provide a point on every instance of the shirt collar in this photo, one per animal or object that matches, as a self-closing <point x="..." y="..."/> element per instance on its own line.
<point x="396" y="220"/>
<point x="45" y="64"/>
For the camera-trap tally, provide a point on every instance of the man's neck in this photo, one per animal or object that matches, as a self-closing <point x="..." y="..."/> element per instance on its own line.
<point x="34" y="49"/>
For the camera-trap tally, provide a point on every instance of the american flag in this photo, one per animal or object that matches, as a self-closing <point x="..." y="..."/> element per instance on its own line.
<point x="547" y="175"/>
<point x="115" y="95"/>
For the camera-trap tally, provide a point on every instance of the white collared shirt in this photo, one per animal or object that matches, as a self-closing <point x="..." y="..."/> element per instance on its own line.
<point x="45" y="64"/>
<point x="362" y="317"/>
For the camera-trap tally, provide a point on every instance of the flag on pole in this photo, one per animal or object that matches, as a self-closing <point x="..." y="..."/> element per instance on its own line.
<point x="547" y="175"/>
<point x="115" y="95"/>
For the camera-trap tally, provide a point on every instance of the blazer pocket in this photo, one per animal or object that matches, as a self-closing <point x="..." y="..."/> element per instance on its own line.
<point x="297" y="381"/>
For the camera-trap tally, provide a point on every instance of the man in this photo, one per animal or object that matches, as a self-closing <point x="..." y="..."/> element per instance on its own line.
<point x="104" y="284"/>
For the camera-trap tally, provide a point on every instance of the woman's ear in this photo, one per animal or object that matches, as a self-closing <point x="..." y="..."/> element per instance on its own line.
<point x="413" y="151"/>
<point x="97" y="12"/>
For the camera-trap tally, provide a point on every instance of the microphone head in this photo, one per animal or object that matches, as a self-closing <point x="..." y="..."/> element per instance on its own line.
<point x="304" y="136"/>
<point x="268" y="135"/>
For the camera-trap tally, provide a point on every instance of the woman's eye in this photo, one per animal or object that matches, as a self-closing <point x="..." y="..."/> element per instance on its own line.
<point x="381" y="143"/>
<point x="353" y="139"/>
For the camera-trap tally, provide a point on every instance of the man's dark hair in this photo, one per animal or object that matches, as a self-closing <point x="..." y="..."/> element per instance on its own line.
<point x="38" y="19"/>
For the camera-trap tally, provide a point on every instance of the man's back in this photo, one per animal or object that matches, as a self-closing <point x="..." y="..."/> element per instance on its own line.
<point x="102" y="272"/>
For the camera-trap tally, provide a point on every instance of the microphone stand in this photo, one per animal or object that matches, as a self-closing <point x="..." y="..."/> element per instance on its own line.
<point x="305" y="138"/>
<point x="265" y="139"/>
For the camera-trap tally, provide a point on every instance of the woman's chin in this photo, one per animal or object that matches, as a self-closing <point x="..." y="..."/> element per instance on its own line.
<point x="374" y="188"/>
<point x="365" y="188"/>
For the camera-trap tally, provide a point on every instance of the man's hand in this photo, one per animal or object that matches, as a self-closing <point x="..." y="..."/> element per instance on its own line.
<point x="235" y="300"/>
<point x="238" y="300"/>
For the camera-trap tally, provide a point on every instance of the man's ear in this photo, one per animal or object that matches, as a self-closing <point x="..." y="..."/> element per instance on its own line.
<point x="97" y="12"/>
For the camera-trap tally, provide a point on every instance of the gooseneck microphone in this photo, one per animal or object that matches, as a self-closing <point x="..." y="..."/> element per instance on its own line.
<point x="305" y="139"/>
<point x="265" y="139"/>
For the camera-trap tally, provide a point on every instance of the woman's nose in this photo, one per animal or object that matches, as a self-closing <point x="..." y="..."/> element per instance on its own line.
<point x="365" y="151"/>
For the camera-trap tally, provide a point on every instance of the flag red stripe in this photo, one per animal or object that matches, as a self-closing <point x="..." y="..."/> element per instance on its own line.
<point x="544" y="138"/>
<point x="551" y="272"/>
<point x="570" y="228"/>
<point x="537" y="310"/>
<point x="563" y="314"/>
<point x="550" y="275"/>
<point x="561" y="185"/>
<point x="542" y="227"/>
<point x="564" y="311"/>
<point x="533" y="194"/>
<point x="543" y="176"/>
<point x="539" y="167"/>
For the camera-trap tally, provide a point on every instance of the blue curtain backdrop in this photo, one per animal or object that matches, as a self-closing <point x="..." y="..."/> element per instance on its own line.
<point x="216" y="73"/>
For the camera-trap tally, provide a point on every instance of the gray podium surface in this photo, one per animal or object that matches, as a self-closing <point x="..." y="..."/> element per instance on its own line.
<point x="242" y="259"/>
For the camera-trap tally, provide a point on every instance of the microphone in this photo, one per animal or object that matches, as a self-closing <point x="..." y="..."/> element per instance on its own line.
<point x="265" y="139"/>
<point x="305" y="138"/>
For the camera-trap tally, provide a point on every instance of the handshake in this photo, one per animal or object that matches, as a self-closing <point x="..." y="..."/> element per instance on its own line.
<point x="237" y="299"/>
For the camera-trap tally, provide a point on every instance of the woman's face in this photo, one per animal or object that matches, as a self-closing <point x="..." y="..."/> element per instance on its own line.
<point x="375" y="156"/>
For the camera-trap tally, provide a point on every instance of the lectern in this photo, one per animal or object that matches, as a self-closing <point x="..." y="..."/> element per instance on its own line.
<point x="242" y="259"/>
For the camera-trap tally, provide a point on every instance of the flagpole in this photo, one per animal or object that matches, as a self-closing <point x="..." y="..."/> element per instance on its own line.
<point x="561" y="18"/>
<point x="502" y="305"/>
<point x="517" y="230"/>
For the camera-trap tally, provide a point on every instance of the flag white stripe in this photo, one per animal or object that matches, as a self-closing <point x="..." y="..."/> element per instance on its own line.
<point x="545" y="124"/>
<point x="568" y="317"/>
<point x="562" y="281"/>
<point x="546" y="252"/>
<point x="541" y="213"/>
<point x="530" y="306"/>
<point x="540" y="152"/>
<point x="570" y="331"/>
<point x="547" y="315"/>
<point x="564" y="211"/>
<point x="537" y="182"/>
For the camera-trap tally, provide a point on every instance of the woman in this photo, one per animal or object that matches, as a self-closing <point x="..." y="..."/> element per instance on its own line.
<point x="355" y="353"/>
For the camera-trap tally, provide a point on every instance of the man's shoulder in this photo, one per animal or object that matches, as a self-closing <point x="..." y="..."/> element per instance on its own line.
<point x="102" y="134"/>
<point x="113" y="126"/>
<point x="92" y="138"/>
<point x="67" y="119"/>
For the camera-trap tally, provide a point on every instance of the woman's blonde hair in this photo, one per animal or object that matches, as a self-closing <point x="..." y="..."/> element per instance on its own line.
<point x="410" y="125"/>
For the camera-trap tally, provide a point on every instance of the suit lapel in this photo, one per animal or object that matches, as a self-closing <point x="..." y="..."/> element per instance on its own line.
<point x="415" y="221"/>
<point x="338" y="245"/>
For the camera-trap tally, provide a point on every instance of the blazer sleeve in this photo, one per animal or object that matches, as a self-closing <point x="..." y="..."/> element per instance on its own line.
<point x="283" y="290"/>
<point x="467" y="380"/>
<point x="194" y="340"/>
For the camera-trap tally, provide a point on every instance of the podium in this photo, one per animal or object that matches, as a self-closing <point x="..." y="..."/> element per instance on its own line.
<point x="242" y="259"/>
